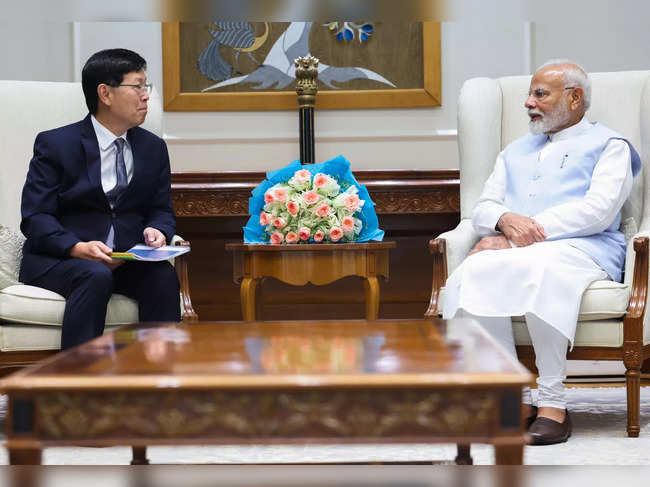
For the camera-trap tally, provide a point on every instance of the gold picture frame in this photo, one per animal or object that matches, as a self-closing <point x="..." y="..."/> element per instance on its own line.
<point x="176" y="100"/>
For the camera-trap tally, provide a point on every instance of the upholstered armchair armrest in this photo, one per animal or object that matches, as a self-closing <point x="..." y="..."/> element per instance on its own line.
<point x="11" y="254"/>
<point x="448" y="251"/>
<point x="180" y="263"/>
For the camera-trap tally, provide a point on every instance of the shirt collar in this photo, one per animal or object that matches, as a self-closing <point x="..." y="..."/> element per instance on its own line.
<point x="104" y="136"/>
<point x="571" y="131"/>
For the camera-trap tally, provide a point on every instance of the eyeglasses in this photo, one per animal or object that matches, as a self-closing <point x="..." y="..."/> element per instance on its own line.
<point x="540" y="94"/>
<point x="141" y="89"/>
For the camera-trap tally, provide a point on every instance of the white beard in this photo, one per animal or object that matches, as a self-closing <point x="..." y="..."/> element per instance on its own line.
<point x="549" y="122"/>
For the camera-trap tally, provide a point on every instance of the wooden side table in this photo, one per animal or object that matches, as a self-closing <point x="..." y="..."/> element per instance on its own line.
<point x="318" y="264"/>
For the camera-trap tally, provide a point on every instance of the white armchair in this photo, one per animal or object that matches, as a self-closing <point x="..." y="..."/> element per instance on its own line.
<point x="612" y="323"/>
<point x="30" y="317"/>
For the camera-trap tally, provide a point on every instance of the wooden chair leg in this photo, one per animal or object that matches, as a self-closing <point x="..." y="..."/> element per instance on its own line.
<point x="633" y="384"/>
<point x="139" y="455"/>
<point x="633" y="334"/>
<point x="463" y="456"/>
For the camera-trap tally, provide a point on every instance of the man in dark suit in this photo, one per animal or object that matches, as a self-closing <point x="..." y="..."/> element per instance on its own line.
<point x="99" y="185"/>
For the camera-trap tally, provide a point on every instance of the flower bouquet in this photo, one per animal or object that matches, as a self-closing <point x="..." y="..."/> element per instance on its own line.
<point x="316" y="203"/>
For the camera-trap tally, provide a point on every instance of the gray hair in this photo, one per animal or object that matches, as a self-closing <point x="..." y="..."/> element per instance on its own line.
<point x="574" y="75"/>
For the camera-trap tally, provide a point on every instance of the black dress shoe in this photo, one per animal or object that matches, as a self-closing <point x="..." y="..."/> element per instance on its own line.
<point x="545" y="431"/>
<point x="531" y="419"/>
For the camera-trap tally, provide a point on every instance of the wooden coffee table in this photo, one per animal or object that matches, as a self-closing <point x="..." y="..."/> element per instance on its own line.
<point x="273" y="382"/>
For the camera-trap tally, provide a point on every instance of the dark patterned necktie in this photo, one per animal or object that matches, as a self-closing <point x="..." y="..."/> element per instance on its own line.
<point x="120" y="171"/>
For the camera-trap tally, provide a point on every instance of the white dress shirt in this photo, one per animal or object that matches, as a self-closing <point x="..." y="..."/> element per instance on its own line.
<point x="107" y="153"/>
<point x="611" y="184"/>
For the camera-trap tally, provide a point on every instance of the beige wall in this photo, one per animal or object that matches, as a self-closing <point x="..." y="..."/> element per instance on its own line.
<point x="35" y="50"/>
<point x="382" y="139"/>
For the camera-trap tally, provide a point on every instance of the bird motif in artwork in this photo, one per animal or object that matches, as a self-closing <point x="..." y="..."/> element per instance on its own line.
<point x="240" y="36"/>
<point x="278" y="70"/>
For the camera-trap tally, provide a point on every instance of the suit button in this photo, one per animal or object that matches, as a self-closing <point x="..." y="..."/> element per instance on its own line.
<point x="113" y="215"/>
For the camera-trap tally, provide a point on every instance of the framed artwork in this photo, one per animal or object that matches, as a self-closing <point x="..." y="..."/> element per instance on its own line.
<point x="249" y="65"/>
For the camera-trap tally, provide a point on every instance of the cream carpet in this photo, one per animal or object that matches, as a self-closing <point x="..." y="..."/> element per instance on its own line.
<point x="599" y="438"/>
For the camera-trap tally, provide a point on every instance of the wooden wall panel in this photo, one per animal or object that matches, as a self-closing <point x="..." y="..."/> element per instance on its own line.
<point x="413" y="207"/>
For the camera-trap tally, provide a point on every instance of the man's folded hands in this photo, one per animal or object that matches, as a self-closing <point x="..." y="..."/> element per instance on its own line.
<point x="491" y="243"/>
<point x="521" y="230"/>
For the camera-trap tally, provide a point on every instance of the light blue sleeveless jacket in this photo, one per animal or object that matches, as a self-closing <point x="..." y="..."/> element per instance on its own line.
<point x="565" y="175"/>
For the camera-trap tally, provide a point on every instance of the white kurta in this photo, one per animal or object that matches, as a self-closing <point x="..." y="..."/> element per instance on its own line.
<point x="547" y="278"/>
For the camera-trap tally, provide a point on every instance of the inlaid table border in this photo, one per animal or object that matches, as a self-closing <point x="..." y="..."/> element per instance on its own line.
<point x="262" y="415"/>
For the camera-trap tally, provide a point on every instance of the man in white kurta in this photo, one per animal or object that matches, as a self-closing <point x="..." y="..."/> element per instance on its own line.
<point x="536" y="263"/>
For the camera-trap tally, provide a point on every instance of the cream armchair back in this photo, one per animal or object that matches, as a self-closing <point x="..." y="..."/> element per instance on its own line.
<point x="612" y="319"/>
<point x="30" y="317"/>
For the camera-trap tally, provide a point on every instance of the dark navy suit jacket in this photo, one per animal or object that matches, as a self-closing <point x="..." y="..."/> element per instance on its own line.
<point x="63" y="202"/>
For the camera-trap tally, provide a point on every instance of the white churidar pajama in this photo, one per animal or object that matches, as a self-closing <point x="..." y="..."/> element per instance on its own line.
<point x="545" y="281"/>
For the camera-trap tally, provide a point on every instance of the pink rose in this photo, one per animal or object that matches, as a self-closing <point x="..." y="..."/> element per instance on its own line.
<point x="279" y="222"/>
<point x="323" y="211"/>
<point x="265" y="218"/>
<point x="320" y="180"/>
<point x="304" y="233"/>
<point x="292" y="237"/>
<point x="319" y="236"/>
<point x="276" y="238"/>
<point x="347" y="223"/>
<point x="268" y="197"/>
<point x="336" y="234"/>
<point x="281" y="194"/>
<point x="352" y="203"/>
<point x="311" y="197"/>
<point x="302" y="176"/>
<point x="292" y="208"/>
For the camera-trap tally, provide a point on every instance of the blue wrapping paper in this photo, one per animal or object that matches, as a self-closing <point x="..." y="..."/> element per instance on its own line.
<point x="339" y="169"/>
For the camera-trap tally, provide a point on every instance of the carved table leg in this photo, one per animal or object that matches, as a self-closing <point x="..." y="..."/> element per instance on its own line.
<point x="371" y="285"/>
<point x="25" y="457"/>
<point x="139" y="455"/>
<point x="509" y="453"/>
<point x="247" y="294"/>
<point x="510" y="477"/>
<point x="463" y="456"/>
<point x="25" y="477"/>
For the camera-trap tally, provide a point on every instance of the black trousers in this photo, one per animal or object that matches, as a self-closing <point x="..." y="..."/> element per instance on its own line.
<point x="87" y="287"/>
